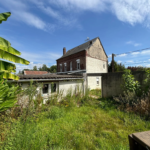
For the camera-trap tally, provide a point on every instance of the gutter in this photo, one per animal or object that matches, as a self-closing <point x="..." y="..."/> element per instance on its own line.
<point x="28" y="80"/>
<point x="71" y="72"/>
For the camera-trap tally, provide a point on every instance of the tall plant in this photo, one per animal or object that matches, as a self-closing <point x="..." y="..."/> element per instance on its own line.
<point x="8" y="94"/>
<point x="10" y="54"/>
<point x="130" y="84"/>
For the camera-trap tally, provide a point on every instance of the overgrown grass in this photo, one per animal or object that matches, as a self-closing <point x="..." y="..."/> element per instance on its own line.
<point x="95" y="124"/>
<point x="96" y="92"/>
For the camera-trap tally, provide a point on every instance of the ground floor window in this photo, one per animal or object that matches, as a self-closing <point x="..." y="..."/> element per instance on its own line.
<point x="45" y="88"/>
<point x="53" y="87"/>
<point x="97" y="80"/>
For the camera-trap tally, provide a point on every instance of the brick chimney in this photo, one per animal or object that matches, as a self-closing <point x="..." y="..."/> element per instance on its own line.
<point x="64" y="50"/>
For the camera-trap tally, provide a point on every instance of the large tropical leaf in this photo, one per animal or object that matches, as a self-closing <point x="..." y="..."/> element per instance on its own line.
<point x="7" y="67"/>
<point x="8" y="75"/>
<point x="11" y="57"/>
<point x="4" y="16"/>
<point x="6" y="46"/>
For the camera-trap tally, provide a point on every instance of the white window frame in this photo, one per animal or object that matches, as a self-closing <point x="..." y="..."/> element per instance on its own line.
<point x="97" y="80"/>
<point x="60" y="67"/>
<point x="65" y="67"/>
<point x="71" y="66"/>
<point x="78" y="62"/>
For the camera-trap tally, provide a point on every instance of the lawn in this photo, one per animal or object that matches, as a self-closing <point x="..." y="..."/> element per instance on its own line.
<point x="94" y="125"/>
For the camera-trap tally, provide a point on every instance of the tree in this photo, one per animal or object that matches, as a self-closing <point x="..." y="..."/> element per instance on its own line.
<point x="44" y="68"/>
<point x="117" y="67"/>
<point x="35" y="68"/>
<point x="10" y="54"/>
<point x="53" y="69"/>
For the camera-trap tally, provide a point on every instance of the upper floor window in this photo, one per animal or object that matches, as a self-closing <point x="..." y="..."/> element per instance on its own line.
<point x="71" y="66"/>
<point x="60" y="67"/>
<point x="78" y="64"/>
<point x="65" y="67"/>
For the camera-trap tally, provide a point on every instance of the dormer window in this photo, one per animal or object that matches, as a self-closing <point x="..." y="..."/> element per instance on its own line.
<point x="78" y="64"/>
<point x="71" y="66"/>
<point x="60" y="67"/>
<point x="65" y="67"/>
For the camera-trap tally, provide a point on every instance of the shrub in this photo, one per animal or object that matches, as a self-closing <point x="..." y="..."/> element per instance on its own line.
<point x="8" y="95"/>
<point x="129" y="82"/>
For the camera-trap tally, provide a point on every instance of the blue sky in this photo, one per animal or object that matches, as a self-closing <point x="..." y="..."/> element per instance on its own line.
<point x="40" y="29"/>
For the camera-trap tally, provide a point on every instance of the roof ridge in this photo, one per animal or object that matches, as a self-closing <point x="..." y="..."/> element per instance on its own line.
<point x="78" y="48"/>
<point x="83" y="43"/>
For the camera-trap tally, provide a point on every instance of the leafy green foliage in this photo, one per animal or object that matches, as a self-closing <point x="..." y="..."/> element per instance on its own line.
<point x="117" y="67"/>
<point x="129" y="82"/>
<point x="9" y="53"/>
<point x="4" y="16"/>
<point x="35" y="68"/>
<point x="53" y="69"/>
<point x="8" y="96"/>
<point x="147" y="81"/>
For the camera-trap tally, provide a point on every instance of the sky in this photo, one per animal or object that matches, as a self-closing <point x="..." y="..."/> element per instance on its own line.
<point x="40" y="29"/>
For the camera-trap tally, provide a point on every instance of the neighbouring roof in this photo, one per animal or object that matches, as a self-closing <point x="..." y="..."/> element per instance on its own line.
<point x="49" y="76"/>
<point x="35" y="72"/>
<point x="81" y="47"/>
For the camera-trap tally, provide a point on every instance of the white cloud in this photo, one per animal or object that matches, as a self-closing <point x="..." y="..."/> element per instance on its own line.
<point x="129" y="61"/>
<point x="133" y="43"/>
<point x="122" y="55"/>
<point x="20" y="12"/>
<point x="109" y="56"/>
<point x="68" y="11"/>
<point x="42" y="58"/>
<point x="135" y="53"/>
<point x="119" y="61"/>
<point x="146" y="52"/>
<point x="74" y="5"/>
<point x="20" y="67"/>
<point x="130" y="11"/>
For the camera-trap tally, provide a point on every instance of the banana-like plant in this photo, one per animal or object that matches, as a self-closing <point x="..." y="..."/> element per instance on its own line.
<point x="10" y="54"/>
<point x="8" y="95"/>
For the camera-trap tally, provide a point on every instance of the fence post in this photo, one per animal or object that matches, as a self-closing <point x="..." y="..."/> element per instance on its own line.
<point x="113" y="55"/>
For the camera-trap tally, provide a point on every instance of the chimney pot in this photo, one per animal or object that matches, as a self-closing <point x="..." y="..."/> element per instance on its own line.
<point x="64" y="50"/>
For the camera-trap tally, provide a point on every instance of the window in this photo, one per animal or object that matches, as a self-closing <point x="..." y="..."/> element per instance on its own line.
<point x="103" y="65"/>
<point x="53" y="87"/>
<point x="45" y="88"/>
<point x="97" y="80"/>
<point x="71" y="66"/>
<point x="78" y="64"/>
<point x="60" y="67"/>
<point x="65" y="67"/>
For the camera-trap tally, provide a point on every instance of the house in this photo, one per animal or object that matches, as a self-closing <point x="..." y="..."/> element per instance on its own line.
<point x="81" y="66"/>
<point x="52" y="83"/>
<point x="28" y="72"/>
<point x="89" y="57"/>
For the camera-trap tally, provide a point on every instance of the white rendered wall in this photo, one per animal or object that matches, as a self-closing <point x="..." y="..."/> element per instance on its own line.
<point x="67" y="86"/>
<point x="92" y="84"/>
<point x="94" y="65"/>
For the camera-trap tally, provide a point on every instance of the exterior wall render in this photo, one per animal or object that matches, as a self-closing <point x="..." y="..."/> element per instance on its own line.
<point x="97" y="51"/>
<point x="95" y="65"/>
<point x="72" y="58"/>
<point x="111" y="83"/>
<point x="70" y="86"/>
<point x="92" y="82"/>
